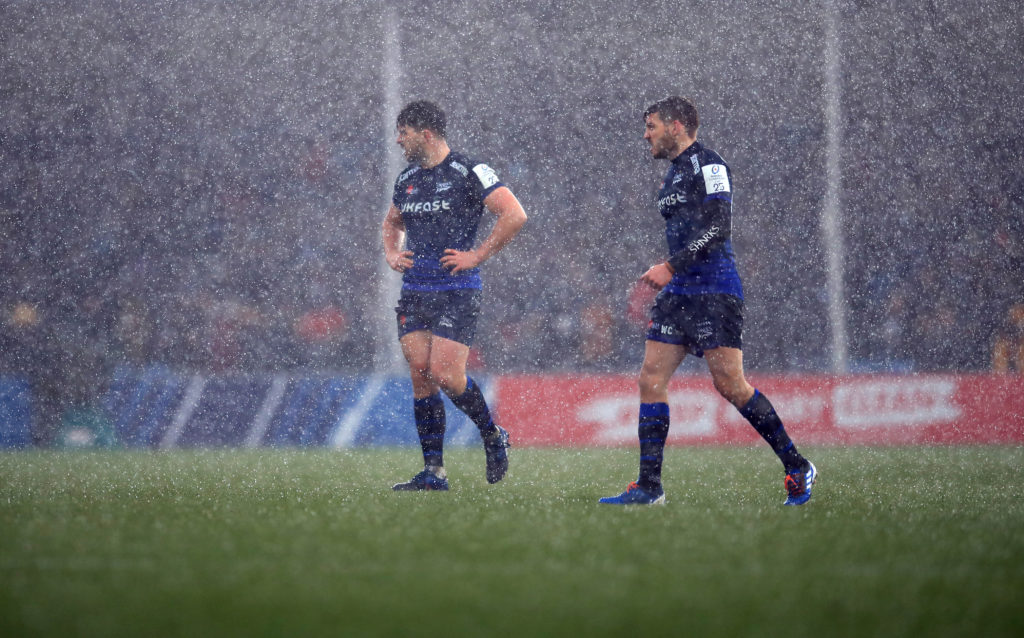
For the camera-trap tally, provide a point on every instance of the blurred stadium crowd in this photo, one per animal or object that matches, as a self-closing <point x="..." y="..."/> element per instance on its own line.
<point x="202" y="186"/>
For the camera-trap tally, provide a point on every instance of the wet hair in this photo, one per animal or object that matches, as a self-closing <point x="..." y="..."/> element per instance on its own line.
<point x="423" y="115"/>
<point x="676" y="108"/>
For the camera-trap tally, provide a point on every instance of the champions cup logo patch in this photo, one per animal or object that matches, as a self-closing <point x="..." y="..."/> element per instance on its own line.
<point x="716" y="180"/>
<point x="486" y="175"/>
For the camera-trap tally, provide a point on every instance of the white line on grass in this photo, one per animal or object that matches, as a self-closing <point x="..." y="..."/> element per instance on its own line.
<point x="348" y="423"/>
<point x="189" y="402"/>
<point x="262" y="421"/>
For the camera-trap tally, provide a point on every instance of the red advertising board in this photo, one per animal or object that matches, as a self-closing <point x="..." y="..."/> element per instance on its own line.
<point x="601" y="410"/>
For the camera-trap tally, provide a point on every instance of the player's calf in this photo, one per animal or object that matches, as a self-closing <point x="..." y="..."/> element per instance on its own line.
<point x="496" y="447"/>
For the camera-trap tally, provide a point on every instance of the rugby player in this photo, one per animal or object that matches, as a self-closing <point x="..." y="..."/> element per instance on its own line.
<point x="699" y="309"/>
<point x="436" y="207"/>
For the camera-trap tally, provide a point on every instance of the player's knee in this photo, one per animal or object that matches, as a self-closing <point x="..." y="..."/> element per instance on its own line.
<point x="650" y="383"/>
<point x="451" y="381"/>
<point x="732" y="390"/>
<point x="419" y="369"/>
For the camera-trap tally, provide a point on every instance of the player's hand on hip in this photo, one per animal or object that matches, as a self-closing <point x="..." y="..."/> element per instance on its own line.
<point x="458" y="260"/>
<point x="400" y="261"/>
<point x="657" y="276"/>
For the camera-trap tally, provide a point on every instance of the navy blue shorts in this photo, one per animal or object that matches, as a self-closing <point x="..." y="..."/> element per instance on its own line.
<point x="698" y="322"/>
<point x="449" y="314"/>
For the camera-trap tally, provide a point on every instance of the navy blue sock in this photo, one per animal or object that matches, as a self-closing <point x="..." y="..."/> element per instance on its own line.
<point x="762" y="416"/>
<point x="653" y="431"/>
<point x="430" y="425"/>
<point x="472" y="402"/>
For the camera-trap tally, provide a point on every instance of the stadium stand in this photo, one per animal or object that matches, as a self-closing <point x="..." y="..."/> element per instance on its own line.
<point x="170" y="210"/>
<point x="15" y="413"/>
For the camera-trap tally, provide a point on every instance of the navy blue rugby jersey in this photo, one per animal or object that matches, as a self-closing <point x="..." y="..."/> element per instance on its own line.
<point x="441" y="208"/>
<point x="696" y="201"/>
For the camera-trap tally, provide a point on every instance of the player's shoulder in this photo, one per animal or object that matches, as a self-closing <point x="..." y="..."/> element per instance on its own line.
<point x="408" y="172"/>
<point x="708" y="156"/>
<point x="472" y="169"/>
<point x="715" y="172"/>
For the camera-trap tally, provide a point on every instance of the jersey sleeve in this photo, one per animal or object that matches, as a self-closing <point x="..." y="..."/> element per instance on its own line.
<point x="400" y="184"/>
<point x="485" y="180"/>
<point x="714" y="227"/>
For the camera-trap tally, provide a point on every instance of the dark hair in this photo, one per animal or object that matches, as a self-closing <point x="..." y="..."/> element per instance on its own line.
<point x="676" y="108"/>
<point x="423" y="115"/>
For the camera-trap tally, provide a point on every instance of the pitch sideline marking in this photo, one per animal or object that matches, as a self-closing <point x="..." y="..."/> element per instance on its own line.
<point x="275" y="394"/>
<point x="348" y="423"/>
<point x="189" y="403"/>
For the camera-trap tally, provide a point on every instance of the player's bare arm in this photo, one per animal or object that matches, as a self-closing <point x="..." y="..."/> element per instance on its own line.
<point x="658" y="275"/>
<point x="511" y="218"/>
<point x="715" y="233"/>
<point x="393" y="233"/>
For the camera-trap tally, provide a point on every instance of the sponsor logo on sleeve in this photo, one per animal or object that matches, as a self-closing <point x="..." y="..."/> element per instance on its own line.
<point x="404" y="176"/>
<point x="716" y="178"/>
<point x="486" y="175"/>
<point x="696" y="164"/>
<point x="703" y="240"/>
<point x="460" y="168"/>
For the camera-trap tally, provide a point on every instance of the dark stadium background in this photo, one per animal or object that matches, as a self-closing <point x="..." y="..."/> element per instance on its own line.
<point x="191" y="195"/>
<point x="200" y="185"/>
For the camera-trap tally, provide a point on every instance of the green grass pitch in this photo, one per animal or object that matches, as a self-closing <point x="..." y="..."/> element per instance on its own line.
<point x="902" y="541"/>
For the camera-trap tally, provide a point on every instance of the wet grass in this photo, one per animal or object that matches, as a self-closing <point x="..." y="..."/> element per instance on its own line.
<point x="895" y="542"/>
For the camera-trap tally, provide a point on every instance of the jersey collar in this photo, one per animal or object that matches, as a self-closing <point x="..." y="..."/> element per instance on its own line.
<point x="443" y="161"/>
<point x="692" y="149"/>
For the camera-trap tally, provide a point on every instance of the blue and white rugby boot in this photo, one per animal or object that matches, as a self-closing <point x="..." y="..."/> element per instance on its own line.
<point x="425" y="481"/>
<point x="636" y="495"/>
<point x="496" y="447"/>
<point x="798" y="485"/>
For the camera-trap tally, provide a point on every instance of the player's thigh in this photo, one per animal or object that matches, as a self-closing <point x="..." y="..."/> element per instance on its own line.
<point x="660" y="363"/>
<point x="448" y="363"/>
<point x="726" y="368"/>
<point x="416" y="347"/>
